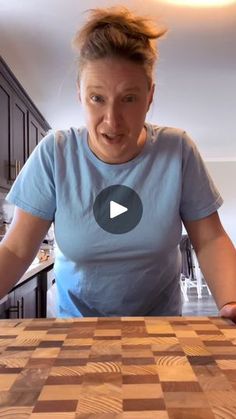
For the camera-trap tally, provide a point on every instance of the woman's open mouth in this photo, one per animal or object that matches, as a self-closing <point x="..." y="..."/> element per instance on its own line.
<point x="112" y="139"/>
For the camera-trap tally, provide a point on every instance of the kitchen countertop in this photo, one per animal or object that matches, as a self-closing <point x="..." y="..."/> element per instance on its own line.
<point x="139" y="367"/>
<point x="35" y="268"/>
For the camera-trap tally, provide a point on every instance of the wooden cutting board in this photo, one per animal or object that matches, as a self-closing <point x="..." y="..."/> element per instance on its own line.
<point x="139" y="367"/>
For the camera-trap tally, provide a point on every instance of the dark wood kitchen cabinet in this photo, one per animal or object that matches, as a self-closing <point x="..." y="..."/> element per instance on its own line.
<point x="22" y="126"/>
<point x="5" y="127"/>
<point x="4" y="307"/>
<point x="24" y="301"/>
<point x="36" y="132"/>
<point x="18" y="139"/>
<point x="29" y="299"/>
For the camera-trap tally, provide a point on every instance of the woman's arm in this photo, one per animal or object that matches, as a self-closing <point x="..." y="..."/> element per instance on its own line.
<point x="217" y="257"/>
<point x="19" y="247"/>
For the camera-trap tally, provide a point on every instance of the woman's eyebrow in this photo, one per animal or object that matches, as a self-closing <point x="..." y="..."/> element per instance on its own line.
<point x="132" y="88"/>
<point x="94" y="87"/>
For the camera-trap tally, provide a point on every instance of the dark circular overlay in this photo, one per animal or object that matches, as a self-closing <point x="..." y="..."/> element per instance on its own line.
<point x="116" y="197"/>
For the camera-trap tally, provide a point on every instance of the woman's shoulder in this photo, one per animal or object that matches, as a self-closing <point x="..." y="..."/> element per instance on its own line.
<point x="62" y="138"/>
<point x="167" y="135"/>
<point x="164" y="131"/>
<point x="69" y="134"/>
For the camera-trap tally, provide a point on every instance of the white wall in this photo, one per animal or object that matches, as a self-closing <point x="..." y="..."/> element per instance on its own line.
<point x="224" y="176"/>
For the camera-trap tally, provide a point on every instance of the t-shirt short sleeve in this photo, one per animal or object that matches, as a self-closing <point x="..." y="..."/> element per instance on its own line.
<point x="34" y="189"/>
<point x="199" y="197"/>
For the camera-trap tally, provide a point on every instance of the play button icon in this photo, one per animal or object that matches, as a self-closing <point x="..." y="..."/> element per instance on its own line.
<point x="117" y="209"/>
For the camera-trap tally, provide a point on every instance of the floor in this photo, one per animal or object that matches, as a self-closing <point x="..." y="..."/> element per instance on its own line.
<point x="199" y="307"/>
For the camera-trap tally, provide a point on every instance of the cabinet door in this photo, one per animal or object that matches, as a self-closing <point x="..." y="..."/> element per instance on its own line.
<point x="6" y="95"/>
<point x="26" y="301"/>
<point x="34" y="130"/>
<point x="35" y="133"/>
<point x="13" y="125"/>
<point x="13" y="309"/>
<point x="42" y="134"/>
<point x="19" y="136"/>
<point x="4" y="307"/>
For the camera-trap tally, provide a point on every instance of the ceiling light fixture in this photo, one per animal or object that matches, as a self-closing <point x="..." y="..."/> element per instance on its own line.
<point x="202" y="3"/>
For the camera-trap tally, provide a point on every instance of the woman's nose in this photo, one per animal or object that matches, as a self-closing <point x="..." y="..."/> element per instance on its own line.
<point x="113" y="116"/>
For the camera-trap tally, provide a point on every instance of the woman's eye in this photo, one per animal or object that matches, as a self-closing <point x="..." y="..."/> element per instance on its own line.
<point x="129" y="98"/>
<point x="96" y="98"/>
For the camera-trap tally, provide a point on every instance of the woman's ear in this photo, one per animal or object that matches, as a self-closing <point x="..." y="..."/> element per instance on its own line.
<point x="78" y="91"/>
<point x="78" y="94"/>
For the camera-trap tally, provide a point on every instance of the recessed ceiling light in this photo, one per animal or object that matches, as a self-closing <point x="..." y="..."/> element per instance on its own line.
<point x="202" y="3"/>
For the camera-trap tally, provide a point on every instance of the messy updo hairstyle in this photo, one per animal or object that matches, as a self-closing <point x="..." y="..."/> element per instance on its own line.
<point x="117" y="32"/>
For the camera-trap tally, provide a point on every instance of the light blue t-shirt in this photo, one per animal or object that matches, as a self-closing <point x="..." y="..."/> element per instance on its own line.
<point x="102" y="274"/>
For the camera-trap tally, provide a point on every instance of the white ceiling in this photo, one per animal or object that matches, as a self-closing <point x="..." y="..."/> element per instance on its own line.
<point x="196" y="74"/>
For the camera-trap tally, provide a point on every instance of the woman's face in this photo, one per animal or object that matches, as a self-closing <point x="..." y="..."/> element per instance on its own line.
<point x="115" y="98"/>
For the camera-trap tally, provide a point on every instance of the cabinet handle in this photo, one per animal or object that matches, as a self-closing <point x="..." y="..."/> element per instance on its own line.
<point x="37" y="303"/>
<point x="16" y="166"/>
<point x="15" y="309"/>
<point x="13" y="166"/>
<point x="18" y="309"/>
<point x="16" y="169"/>
<point x="22" y="307"/>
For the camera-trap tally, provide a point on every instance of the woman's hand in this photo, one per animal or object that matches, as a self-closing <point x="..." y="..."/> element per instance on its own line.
<point x="228" y="311"/>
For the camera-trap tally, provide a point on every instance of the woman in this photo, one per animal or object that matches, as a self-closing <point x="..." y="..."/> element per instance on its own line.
<point x="118" y="264"/>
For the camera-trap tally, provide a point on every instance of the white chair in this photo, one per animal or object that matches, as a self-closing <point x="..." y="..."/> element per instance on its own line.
<point x="199" y="278"/>
<point x="191" y="275"/>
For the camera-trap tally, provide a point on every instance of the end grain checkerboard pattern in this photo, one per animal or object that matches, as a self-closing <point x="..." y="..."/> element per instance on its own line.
<point x="104" y="368"/>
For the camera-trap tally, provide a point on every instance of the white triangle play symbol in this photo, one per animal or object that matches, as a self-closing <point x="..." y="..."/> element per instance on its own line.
<point x="116" y="209"/>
